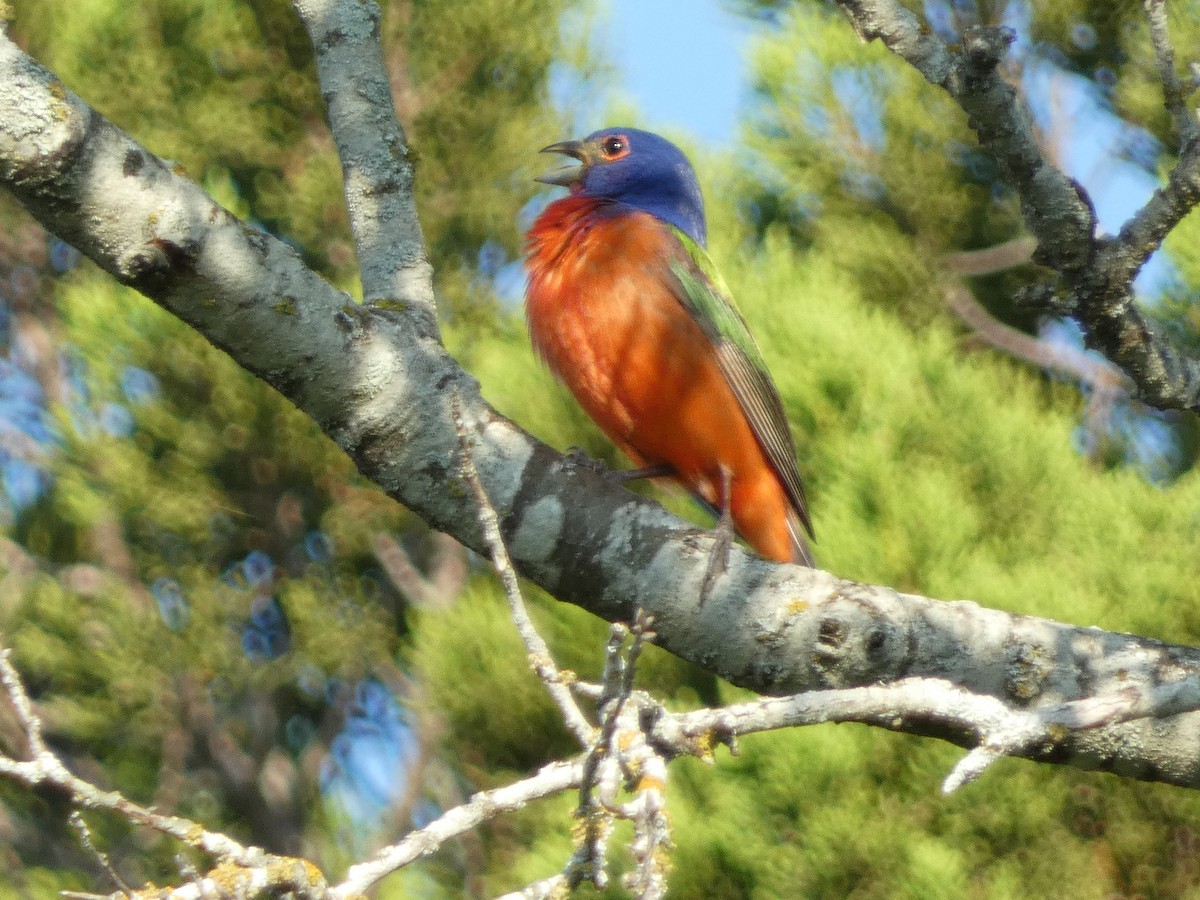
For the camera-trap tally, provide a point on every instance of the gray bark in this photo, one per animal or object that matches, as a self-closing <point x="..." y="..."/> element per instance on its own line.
<point x="376" y="379"/>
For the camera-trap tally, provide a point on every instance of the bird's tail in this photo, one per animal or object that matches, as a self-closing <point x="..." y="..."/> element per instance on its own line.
<point x="801" y="554"/>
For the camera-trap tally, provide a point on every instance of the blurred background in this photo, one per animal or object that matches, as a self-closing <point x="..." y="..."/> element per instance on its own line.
<point x="218" y="616"/>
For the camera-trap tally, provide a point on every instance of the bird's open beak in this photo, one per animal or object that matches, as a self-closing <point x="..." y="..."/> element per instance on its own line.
<point x="569" y="174"/>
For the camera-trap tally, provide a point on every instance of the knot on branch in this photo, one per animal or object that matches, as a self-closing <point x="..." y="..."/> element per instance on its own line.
<point x="1028" y="668"/>
<point x="985" y="45"/>
<point x="1063" y="219"/>
<point x="156" y="262"/>
<point x="419" y="316"/>
<point x="44" y="143"/>
<point x="1044" y="297"/>
<point x="851" y="648"/>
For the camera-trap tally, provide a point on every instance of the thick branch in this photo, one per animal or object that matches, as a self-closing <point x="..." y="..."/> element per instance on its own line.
<point x="378" y="382"/>
<point x="377" y="168"/>
<point x="1096" y="274"/>
<point x="540" y="658"/>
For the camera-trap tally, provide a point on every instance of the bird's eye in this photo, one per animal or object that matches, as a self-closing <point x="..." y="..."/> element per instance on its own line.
<point x="615" y="146"/>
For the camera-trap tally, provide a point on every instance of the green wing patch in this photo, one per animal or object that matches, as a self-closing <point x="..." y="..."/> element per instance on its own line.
<point x="703" y="292"/>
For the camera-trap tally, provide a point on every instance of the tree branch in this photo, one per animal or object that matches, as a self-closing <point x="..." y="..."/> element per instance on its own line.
<point x="1094" y="373"/>
<point x="995" y="729"/>
<point x="246" y="867"/>
<point x="1095" y="273"/>
<point x="540" y="659"/>
<point x="1174" y="95"/>
<point x="377" y="169"/>
<point x="378" y="382"/>
<point x="552" y="779"/>
<point x="447" y="569"/>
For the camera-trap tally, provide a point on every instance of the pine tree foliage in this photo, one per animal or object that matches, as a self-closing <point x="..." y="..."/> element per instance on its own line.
<point x="947" y="472"/>
<point x="194" y="531"/>
<point x="196" y="594"/>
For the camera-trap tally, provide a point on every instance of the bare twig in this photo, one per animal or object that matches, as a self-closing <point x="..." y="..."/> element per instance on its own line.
<point x="1174" y="95"/>
<point x="1094" y="373"/>
<point x="637" y="759"/>
<point x="11" y="681"/>
<point x="624" y="757"/>
<point x="589" y="862"/>
<point x="1001" y="729"/>
<point x="85" y="838"/>
<point x="448" y="569"/>
<point x="555" y="680"/>
<point x="1105" y="382"/>
<point x="645" y="771"/>
<point x="990" y="260"/>
<point x="485" y="805"/>
<point x="250" y="868"/>
<point x="282" y="878"/>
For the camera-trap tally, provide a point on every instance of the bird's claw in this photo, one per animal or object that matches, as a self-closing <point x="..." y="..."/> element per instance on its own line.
<point x="718" y="558"/>
<point x="577" y="457"/>
<point x="661" y="470"/>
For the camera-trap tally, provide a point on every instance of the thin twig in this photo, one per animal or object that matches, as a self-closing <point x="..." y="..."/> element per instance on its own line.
<point x="246" y="867"/>
<point x="485" y="805"/>
<point x="1105" y="382"/>
<point x="623" y="757"/>
<point x="989" y="260"/>
<point x="1174" y="95"/>
<point x="555" y="680"/>
<point x="448" y="569"/>
<point x="11" y="682"/>
<point x="589" y="861"/>
<point x="85" y="838"/>
<point x="1094" y="372"/>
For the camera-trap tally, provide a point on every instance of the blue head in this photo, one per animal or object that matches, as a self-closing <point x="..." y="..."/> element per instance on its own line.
<point x="638" y="169"/>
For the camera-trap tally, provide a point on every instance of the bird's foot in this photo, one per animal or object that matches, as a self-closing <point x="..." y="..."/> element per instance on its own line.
<point x="577" y="457"/>
<point x="718" y="560"/>
<point x="661" y="470"/>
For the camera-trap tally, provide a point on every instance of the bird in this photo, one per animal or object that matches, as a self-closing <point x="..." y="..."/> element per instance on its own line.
<point x="626" y="308"/>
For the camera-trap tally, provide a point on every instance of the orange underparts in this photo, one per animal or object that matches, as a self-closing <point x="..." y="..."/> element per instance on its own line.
<point x="604" y="317"/>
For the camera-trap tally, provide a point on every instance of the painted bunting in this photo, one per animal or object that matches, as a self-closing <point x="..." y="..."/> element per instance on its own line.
<point x="626" y="308"/>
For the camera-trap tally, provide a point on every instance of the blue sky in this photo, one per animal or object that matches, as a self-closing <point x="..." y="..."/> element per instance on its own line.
<point x="683" y="68"/>
<point x="689" y="76"/>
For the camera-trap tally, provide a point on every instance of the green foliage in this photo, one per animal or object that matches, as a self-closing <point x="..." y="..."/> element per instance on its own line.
<point x="163" y="698"/>
<point x="863" y="157"/>
<point x="217" y="466"/>
<point x="231" y="85"/>
<point x="929" y="468"/>
<point x="1110" y="43"/>
<point x="855" y="153"/>
<point x="932" y="469"/>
